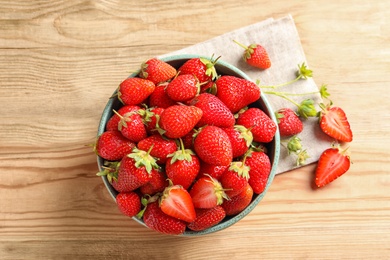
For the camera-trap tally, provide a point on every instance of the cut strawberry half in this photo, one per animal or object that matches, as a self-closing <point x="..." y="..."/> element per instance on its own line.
<point x="333" y="163"/>
<point x="176" y="202"/>
<point x="334" y="122"/>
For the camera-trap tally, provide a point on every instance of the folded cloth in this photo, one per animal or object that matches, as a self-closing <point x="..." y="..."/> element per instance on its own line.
<point x="281" y="40"/>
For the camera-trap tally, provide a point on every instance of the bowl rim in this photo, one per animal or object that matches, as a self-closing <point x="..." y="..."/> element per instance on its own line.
<point x="275" y="158"/>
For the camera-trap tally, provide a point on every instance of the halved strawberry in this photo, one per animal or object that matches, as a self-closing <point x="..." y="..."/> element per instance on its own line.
<point x="207" y="193"/>
<point x="333" y="163"/>
<point x="334" y="122"/>
<point x="176" y="202"/>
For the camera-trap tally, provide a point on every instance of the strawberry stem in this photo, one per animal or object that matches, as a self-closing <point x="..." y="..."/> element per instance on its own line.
<point x="282" y="95"/>
<point x="240" y="44"/>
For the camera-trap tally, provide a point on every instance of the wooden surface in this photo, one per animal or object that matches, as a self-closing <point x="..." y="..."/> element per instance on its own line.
<point x="61" y="60"/>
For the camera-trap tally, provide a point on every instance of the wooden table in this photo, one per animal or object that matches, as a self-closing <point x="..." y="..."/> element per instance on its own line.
<point x="61" y="60"/>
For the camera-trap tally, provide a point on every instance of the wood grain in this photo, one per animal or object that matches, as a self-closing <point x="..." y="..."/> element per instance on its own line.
<point x="61" y="60"/>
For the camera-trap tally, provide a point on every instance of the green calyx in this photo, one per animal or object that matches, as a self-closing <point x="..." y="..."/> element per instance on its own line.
<point x="304" y="72"/>
<point x="245" y="134"/>
<point x="110" y="170"/>
<point x="302" y="156"/>
<point x="240" y="168"/>
<point x="181" y="154"/>
<point x="143" y="73"/>
<point x="144" y="159"/>
<point x="294" y="145"/>
<point x="307" y="109"/>
<point x="249" y="50"/>
<point x="210" y="66"/>
<point x="218" y="189"/>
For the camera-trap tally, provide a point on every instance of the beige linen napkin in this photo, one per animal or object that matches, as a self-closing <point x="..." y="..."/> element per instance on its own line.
<point x="281" y="40"/>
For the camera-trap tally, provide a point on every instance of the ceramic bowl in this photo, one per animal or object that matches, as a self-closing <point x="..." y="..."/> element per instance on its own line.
<point x="273" y="147"/>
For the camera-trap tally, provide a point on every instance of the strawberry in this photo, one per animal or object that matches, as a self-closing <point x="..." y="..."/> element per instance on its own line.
<point x="236" y="93"/>
<point x="288" y="122"/>
<point x="183" y="87"/>
<point x="256" y="56"/>
<point x="213" y="146"/>
<point x="131" y="126"/>
<point x="134" y="171"/>
<point x="157" y="71"/>
<point x="235" y="178"/>
<point x="333" y="163"/>
<point x="259" y="170"/>
<point x="214" y="171"/>
<point x="261" y="125"/>
<point x="133" y="91"/>
<point x="207" y="192"/>
<point x="157" y="183"/>
<point x="176" y="202"/>
<point x="240" y="138"/>
<point x="202" y="68"/>
<point x="129" y="203"/>
<point x="182" y="167"/>
<point x="159" y="97"/>
<point x="178" y="120"/>
<point x="206" y="218"/>
<point x="215" y="112"/>
<point x="112" y="145"/>
<point x="239" y="202"/>
<point x="160" y="147"/>
<point x="113" y="122"/>
<point x="157" y="220"/>
<point x="334" y="122"/>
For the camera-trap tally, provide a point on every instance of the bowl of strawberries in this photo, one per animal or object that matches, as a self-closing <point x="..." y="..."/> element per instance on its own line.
<point x="187" y="145"/>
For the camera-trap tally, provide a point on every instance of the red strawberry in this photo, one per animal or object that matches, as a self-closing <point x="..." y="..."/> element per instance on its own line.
<point x="159" y="97"/>
<point x="235" y="179"/>
<point x="207" y="192"/>
<point x="202" y="68"/>
<point x="334" y="123"/>
<point x="176" y="202"/>
<point x="113" y="122"/>
<point x="131" y="126"/>
<point x="288" y="122"/>
<point x="259" y="170"/>
<point x="133" y="91"/>
<point x="239" y="202"/>
<point x="333" y="163"/>
<point x="134" y="171"/>
<point x="112" y="145"/>
<point x="160" y="147"/>
<point x="214" y="171"/>
<point x="157" y="71"/>
<point x="157" y="183"/>
<point x="256" y="56"/>
<point x="206" y="218"/>
<point x="129" y="203"/>
<point x="178" y="120"/>
<point x="236" y="93"/>
<point x="157" y="220"/>
<point x="182" y="88"/>
<point x="182" y="167"/>
<point x="240" y="138"/>
<point x="215" y="112"/>
<point x="261" y="125"/>
<point x="213" y="146"/>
